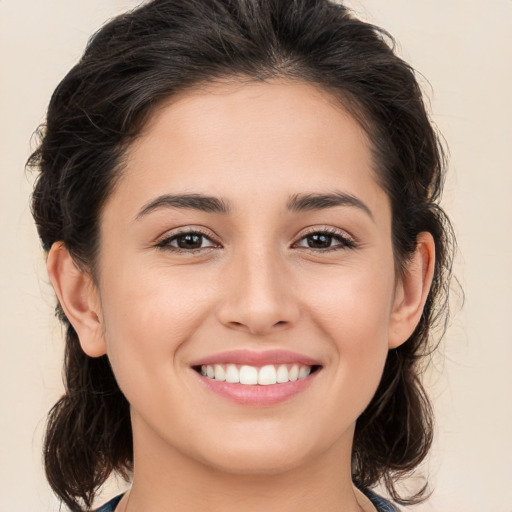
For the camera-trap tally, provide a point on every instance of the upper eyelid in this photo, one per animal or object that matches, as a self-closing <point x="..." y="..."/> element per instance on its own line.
<point x="326" y="229"/>
<point x="173" y="234"/>
<point x="185" y="230"/>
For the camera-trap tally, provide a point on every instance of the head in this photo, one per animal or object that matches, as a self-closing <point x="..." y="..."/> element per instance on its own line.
<point x="138" y="68"/>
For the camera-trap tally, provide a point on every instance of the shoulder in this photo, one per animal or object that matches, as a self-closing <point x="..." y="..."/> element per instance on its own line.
<point x="381" y="504"/>
<point x="111" y="505"/>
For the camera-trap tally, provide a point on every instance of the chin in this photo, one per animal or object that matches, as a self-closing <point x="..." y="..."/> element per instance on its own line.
<point x="254" y="454"/>
<point x="258" y="462"/>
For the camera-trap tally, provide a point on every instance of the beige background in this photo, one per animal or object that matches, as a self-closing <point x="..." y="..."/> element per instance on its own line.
<point x="464" y="48"/>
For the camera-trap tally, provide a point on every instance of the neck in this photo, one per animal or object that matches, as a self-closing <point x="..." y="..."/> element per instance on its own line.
<point x="166" y="480"/>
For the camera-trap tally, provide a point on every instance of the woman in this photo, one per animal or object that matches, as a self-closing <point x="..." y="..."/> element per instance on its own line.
<point x="239" y="203"/>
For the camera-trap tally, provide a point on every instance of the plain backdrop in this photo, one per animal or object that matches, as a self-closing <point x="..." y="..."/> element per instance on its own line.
<point x="464" y="48"/>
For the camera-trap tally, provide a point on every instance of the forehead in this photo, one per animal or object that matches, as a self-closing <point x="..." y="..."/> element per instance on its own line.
<point x="250" y="138"/>
<point x="241" y="111"/>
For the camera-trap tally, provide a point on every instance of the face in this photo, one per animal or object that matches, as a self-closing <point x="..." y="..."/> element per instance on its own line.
<point x="247" y="239"/>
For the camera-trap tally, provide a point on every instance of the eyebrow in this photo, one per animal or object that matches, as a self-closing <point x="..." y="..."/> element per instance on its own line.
<point x="210" y="204"/>
<point x="200" y="202"/>
<point x="313" y="201"/>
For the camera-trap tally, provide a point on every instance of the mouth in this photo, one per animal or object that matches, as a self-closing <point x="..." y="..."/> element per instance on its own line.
<point x="249" y="375"/>
<point x="256" y="378"/>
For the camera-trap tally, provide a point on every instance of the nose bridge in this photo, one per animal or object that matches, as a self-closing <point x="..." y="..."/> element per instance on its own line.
<point x="258" y="296"/>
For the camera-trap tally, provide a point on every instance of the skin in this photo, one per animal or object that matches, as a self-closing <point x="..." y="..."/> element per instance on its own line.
<point x="253" y="283"/>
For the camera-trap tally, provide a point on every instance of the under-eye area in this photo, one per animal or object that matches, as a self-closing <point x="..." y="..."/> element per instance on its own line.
<point x="253" y="375"/>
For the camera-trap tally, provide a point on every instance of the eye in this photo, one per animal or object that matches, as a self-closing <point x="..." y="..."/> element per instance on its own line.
<point x="326" y="240"/>
<point x="188" y="241"/>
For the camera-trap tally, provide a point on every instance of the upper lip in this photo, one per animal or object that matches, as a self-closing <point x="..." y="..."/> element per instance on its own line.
<point x="256" y="358"/>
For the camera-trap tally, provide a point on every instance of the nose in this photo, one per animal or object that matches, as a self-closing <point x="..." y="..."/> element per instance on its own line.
<point x="258" y="297"/>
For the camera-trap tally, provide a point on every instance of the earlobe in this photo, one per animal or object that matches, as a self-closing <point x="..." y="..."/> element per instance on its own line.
<point x="412" y="291"/>
<point x="78" y="298"/>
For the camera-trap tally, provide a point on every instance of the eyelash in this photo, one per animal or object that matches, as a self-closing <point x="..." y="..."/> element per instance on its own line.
<point x="345" y="242"/>
<point x="166" y="242"/>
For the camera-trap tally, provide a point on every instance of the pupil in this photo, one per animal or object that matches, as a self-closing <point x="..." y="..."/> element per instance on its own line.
<point x="319" y="241"/>
<point x="190" y="241"/>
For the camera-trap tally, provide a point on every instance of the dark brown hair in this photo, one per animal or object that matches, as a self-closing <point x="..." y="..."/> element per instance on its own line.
<point x="164" y="47"/>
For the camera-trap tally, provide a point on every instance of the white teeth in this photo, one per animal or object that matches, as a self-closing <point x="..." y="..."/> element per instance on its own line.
<point x="304" y="372"/>
<point x="248" y="375"/>
<point x="267" y="375"/>
<point x="232" y="374"/>
<point x="282" y="374"/>
<point x="293" y="373"/>
<point x="220" y="374"/>
<point x="252" y="375"/>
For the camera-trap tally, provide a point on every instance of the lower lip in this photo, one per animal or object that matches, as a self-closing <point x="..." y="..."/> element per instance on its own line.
<point x="257" y="394"/>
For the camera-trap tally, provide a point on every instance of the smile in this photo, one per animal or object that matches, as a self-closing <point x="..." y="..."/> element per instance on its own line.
<point x="257" y="378"/>
<point x="252" y="375"/>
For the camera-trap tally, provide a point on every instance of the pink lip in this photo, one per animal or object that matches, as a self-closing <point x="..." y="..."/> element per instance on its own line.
<point x="257" y="395"/>
<point x="256" y="358"/>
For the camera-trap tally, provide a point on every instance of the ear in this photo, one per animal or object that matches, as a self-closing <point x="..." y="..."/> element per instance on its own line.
<point x="412" y="291"/>
<point x="79" y="299"/>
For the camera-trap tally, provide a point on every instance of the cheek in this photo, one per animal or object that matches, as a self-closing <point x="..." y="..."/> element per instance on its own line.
<point x="353" y="313"/>
<point x="354" y="305"/>
<point x="147" y="316"/>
